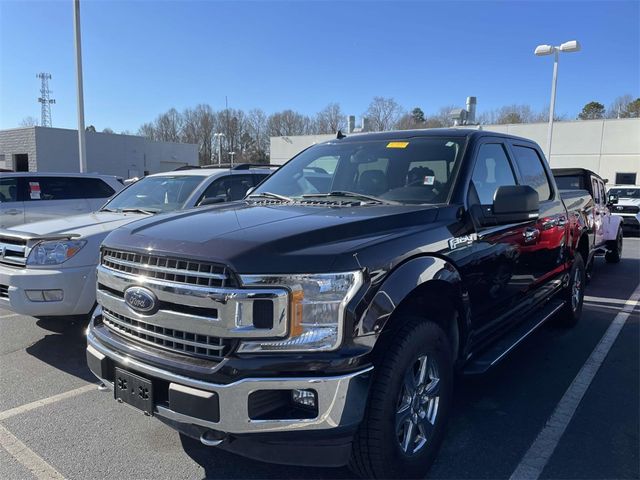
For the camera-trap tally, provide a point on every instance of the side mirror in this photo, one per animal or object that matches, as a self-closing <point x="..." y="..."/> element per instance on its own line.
<point x="211" y="201"/>
<point x="613" y="199"/>
<point x="511" y="204"/>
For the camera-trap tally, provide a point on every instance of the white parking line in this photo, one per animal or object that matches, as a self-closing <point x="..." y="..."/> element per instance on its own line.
<point x="534" y="461"/>
<point x="617" y="301"/>
<point x="27" y="457"/>
<point x="45" y="401"/>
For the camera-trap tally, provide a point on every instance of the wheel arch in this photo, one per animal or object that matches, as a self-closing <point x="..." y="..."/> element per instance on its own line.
<point x="427" y="287"/>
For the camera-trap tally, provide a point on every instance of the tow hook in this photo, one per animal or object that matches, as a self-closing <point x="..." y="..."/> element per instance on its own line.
<point x="211" y="438"/>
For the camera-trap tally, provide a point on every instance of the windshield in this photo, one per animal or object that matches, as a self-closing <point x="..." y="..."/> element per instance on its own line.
<point x="411" y="171"/>
<point x="625" y="192"/>
<point x="156" y="194"/>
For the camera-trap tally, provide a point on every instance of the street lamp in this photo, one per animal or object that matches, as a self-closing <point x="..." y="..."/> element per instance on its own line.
<point x="219" y="137"/>
<point x="540" y="51"/>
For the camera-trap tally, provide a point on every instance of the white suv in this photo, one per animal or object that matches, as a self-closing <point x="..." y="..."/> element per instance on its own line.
<point x="628" y="205"/>
<point x="30" y="197"/>
<point x="48" y="269"/>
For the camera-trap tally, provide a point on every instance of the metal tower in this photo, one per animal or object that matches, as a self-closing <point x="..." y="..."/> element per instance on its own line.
<point x="45" y="99"/>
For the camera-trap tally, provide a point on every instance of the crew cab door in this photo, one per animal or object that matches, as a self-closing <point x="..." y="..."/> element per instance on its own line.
<point x="493" y="267"/>
<point x="544" y="251"/>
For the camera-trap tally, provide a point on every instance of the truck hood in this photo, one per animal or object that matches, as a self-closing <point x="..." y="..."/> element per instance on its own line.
<point x="274" y="238"/>
<point x="629" y="202"/>
<point x="84" y="225"/>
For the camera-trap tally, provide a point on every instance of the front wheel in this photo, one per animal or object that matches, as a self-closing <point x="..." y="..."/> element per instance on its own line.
<point x="408" y="405"/>
<point x="614" y="251"/>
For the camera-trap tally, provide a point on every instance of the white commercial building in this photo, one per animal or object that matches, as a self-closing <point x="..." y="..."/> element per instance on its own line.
<point x="39" y="149"/>
<point x="609" y="147"/>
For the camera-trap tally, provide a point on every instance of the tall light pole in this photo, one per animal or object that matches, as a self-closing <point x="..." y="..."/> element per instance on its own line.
<point x="81" y="137"/>
<point x="542" y="50"/>
<point x="219" y="137"/>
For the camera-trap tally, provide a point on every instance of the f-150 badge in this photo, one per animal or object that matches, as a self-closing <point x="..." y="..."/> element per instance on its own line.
<point x="463" y="241"/>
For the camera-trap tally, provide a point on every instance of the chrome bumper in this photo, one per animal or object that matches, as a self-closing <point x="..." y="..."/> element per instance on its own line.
<point x="341" y="399"/>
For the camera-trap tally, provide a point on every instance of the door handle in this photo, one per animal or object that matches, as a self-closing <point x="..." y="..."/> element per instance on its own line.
<point x="531" y="234"/>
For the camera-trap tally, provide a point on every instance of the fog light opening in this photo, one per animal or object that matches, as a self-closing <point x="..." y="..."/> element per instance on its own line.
<point x="44" y="295"/>
<point x="305" y="398"/>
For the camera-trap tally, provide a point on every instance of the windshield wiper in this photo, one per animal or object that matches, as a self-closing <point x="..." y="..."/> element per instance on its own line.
<point x="342" y="193"/>
<point x="107" y="210"/>
<point x="271" y="195"/>
<point x="137" y="210"/>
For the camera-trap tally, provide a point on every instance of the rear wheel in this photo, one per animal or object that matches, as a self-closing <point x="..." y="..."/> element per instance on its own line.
<point x="408" y="405"/>
<point x="573" y="294"/>
<point x="614" y="251"/>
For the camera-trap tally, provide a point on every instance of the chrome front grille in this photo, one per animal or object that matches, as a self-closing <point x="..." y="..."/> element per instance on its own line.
<point x="171" y="339"/>
<point x="13" y="251"/>
<point x="167" y="269"/>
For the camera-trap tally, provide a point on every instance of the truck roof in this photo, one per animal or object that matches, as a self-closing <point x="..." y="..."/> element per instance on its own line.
<point x="427" y="132"/>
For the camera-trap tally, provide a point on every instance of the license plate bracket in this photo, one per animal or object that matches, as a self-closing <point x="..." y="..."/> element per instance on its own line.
<point x="133" y="390"/>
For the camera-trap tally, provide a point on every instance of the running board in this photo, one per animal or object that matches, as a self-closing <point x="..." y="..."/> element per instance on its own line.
<point x="498" y="350"/>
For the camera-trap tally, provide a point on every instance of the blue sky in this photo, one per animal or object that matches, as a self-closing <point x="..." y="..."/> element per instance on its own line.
<point x="144" y="57"/>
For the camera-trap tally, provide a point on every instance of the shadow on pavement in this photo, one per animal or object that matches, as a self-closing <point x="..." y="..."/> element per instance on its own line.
<point x="218" y="463"/>
<point x="65" y="347"/>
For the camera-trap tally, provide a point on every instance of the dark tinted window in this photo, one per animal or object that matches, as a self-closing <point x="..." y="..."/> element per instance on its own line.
<point x="492" y="170"/>
<point x="8" y="189"/>
<point x="94" y="188"/>
<point x="532" y="171"/>
<point x="570" y="182"/>
<point x="625" y="192"/>
<point x="231" y="187"/>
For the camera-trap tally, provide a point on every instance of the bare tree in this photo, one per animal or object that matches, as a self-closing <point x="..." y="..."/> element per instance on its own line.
<point x="288" y="122"/>
<point x="618" y="107"/>
<point x="383" y="113"/>
<point x="257" y="128"/>
<point x="330" y="119"/>
<point x="107" y="130"/>
<point x="168" y="126"/>
<point x="29" y="122"/>
<point x="147" y="130"/>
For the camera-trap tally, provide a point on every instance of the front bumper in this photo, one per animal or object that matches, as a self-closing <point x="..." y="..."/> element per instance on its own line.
<point x="629" y="220"/>
<point x="77" y="284"/>
<point x="341" y="399"/>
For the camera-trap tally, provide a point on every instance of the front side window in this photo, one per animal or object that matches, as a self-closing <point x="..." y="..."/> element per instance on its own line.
<point x="491" y="171"/>
<point x="596" y="190"/>
<point x="156" y="194"/>
<point x="229" y="188"/>
<point x="533" y="173"/>
<point x="411" y="171"/>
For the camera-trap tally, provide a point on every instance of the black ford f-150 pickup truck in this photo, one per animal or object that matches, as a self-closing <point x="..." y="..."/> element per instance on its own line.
<point x="321" y="320"/>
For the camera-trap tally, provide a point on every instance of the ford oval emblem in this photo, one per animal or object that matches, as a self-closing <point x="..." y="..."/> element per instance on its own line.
<point x="140" y="299"/>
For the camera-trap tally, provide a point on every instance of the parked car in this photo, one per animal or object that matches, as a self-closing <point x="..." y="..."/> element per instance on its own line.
<point x="323" y="326"/>
<point x="48" y="268"/>
<point x="627" y="205"/>
<point x="606" y="229"/>
<point x="27" y="197"/>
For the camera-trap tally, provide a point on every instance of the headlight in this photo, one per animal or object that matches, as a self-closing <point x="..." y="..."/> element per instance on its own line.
<point x="316" y="313"/>
<point x="54" y="252"/>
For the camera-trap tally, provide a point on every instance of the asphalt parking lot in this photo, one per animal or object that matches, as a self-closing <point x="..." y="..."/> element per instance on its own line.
<point x="54" y="422"/>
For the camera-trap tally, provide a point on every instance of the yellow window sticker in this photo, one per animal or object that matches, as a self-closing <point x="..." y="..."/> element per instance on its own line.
<point x="397" y="144"/>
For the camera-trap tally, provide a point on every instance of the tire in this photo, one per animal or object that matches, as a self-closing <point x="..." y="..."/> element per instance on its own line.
<point x="388" y="443"/>
<point x="614" y="250"/>
<point x="573" y="294"/>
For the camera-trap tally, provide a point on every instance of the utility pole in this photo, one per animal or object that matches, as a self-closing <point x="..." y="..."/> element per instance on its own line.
<point x="45" y="99"/>
<point x="82" y="150"/>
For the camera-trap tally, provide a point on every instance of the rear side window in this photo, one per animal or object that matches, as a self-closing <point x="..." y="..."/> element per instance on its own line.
<point x="71" y="188"/>
<point x="492" y="170"/>
<point x="8" y="190"/>
<point x="532" y="171"/>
